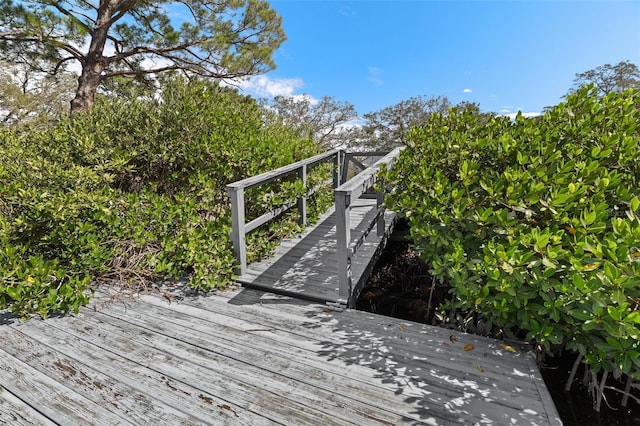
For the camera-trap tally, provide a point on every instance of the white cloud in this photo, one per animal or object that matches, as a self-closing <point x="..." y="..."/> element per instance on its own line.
<point x="346" y="11"/>
<point x="374" y="76"/>
<point x="260" y="86"/>
<point x="355" y="123"/>
<point x="467" y="90"/>
<point x="524" y="114"/>
<point x="265" y="87"/>
<point x="305" y="97"/>
<point x="511" y="112"/>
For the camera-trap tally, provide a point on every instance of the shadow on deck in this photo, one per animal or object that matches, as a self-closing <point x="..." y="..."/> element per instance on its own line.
<point x="307" y="266"/>
<point x="249" y="357"/>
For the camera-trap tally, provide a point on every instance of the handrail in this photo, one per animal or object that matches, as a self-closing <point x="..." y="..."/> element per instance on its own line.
<point x="236" y="190"/>
<point x="345" y="195"/>
<point x="350" y="157"/>
<point x="266" y="177"/>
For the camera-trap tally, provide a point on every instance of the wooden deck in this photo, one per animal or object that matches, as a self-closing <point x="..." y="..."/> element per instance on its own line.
<point x="245" y="357"/>
<point x="307" y="266"/>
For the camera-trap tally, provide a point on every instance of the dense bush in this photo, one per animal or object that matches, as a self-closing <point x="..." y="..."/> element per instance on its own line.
<point x="135" y="191"/>
<point x="534" y="223"/>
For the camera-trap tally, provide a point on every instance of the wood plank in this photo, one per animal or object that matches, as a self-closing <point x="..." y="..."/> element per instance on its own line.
<point x="293" y="278"/>
<point x="412" y="342"/>
<point x="305" y="246"/>
<point x="276" y="275"/>
<point x="293" y="315"/>
<point x="513" y="370"/>
<point x="362" y="373"/>
<point x="124" y="401"/>
<point x="174" y="379"/>
<point x="64" y="405"/>
<point x="512" y="373"/>
<point x="265" y="359"/>
<point x="214" y="326"/>
<point x="300" y="260"/>
<point x="307" y="293"/>
<point x="200" y="360"/>
<point x="450" y="367"/>
<point x="408" y="331"/>
<point x="314" y="386"/>
<point x="277" y="306"/>
<point x="15" y="412"/>
<point x="290" y="345"/>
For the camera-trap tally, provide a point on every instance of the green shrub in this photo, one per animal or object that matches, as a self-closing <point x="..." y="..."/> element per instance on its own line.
<point x="534" y="223"/>
<point x="134" y="192"/>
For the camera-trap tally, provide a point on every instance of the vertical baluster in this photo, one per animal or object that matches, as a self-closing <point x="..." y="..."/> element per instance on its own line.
<point x="343" y="236"/>
<point x="236" y="194"/>
<point x="302" y="201"/>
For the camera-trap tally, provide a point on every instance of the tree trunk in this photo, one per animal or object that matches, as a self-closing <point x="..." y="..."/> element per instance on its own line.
<point x="88" y="83"/>
<point x="94" y="63"/>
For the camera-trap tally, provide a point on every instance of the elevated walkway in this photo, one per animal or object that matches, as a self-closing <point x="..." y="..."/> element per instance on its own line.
<point x="331" y="260"/>
<point x="307" y="266"/>
<point x="244" y="357"/>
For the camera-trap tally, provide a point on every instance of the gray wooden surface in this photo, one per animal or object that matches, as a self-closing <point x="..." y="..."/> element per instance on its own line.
<point x="245" y="357"/>
<point x="307" y="266"/>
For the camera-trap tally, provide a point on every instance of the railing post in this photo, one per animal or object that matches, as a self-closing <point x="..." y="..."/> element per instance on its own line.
<point x="337" y="167"/>
<point x="343" y="237"/>
<point x="302" y="201"/>
<point x="344" y="169"/>
<point x="381" y="223"/>
<point x="237" y="227"/>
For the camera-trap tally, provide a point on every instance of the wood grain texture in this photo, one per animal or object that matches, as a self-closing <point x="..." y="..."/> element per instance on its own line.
<point x="15" y="412"/>
<point x="245" y="357"/>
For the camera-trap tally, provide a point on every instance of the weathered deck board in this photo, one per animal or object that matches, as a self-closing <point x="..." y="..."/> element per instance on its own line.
<point x="34" y="387"/>
<point x="307" y="266"/>
<point x="98" y="376"/>
<point x="303" y="368"/>
<point x="16" y="412"/>
<point x="248" y="357"/>
<point x="449" y="357"/>
<point x="285" y="336"/>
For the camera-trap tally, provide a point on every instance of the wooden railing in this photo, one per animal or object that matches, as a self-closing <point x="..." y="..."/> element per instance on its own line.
<point x="351" y="159"/>
<point x="236" y="190"/>
<point x="345" y="195"/>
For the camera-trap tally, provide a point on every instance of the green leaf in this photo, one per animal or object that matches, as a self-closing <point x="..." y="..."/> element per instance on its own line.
<point x="615" y="312"/>
<point x="548" y="263"/>
<point x="618" y="297"/>
<point x="549" y="272"/>
<point x="580" y="314"/>
<point x="633" y="317"/>
<point x="588" y="217"/>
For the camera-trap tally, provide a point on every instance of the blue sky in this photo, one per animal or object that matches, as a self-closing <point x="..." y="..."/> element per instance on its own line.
<point x="505" y="55"/>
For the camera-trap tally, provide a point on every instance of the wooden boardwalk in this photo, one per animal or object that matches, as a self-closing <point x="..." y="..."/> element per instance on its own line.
<point x="307" y="266"/>
<point x="245" y="357"/>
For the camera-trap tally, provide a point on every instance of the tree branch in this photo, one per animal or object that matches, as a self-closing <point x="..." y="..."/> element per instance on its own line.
<point x="144" y="50"/>
<point x="141" y="71"/>
<point x="56" y="68"/>
<point x="72" y="15"/>
<point x="121" y="9"/>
